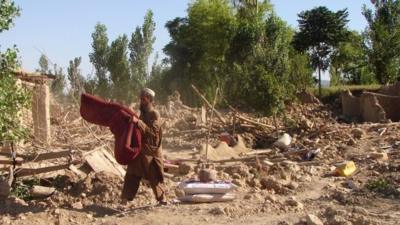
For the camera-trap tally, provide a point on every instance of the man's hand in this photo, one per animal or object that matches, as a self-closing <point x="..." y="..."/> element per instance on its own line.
<point x="134" y="119"/>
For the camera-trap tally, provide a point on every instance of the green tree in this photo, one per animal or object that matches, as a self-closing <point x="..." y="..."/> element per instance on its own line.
<point x="58" y="84"/>
<point x="383" y="39"/>
<point x="99" y="58"/>
<point x="349" y="62"/>
<point x="141" y="47"/>
<point x="118" y="66"/>
<point x="13" y="98"/>
<point x="320" y="32"/>
<point x="75" y="77"/>
<point x="198" y="47"/>
<point x="43" y="64"/>
<point x="8" y="12"/>
<point x="261" y="65"/>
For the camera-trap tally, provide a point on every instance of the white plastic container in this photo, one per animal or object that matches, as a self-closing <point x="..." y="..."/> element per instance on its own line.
<point x="196" y="187"/>
<point x="205" y="198"/>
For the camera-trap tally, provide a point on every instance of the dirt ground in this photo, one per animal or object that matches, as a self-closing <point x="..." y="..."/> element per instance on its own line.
<point x="287" y="189"/>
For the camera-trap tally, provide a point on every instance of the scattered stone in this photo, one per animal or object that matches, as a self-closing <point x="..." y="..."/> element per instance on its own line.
<point x="5" y="220"/>
<point x="238" y="182"/>
<point x="357" y="133"/>
<point x="57" y="212"/>
<point x="236" y="176"/>
<point x="271" y="184"/>
<point x="284" y="141"/>
<point x="185" y="168"/>
<point x="293" y="185"/>
<point x="207" y="175"/>
<point x="77" y="205"/>
<point x="339" y="220"/>
<point x="313" y="220"/>
<point x="292" y="201"/>
<point x="18" y="201"/>
<point x="217" y="211"/>
<point x="380" y="156"/>
<point x="362" y="220"/>
<point x="271" y="198"/>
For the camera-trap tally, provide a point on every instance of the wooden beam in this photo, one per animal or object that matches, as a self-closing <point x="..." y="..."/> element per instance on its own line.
<point x="254" y="122"/>
<point x="8" y="161"/>
<point x="49" y="155"/>
<point x="22" y="172"/>
<point x="208" y="104"/>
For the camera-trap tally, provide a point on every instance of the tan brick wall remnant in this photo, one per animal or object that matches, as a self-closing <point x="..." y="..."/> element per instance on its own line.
<point x="41" y="113"/>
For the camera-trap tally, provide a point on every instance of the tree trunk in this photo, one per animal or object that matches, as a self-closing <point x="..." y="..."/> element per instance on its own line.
<point x="319" y="82"/>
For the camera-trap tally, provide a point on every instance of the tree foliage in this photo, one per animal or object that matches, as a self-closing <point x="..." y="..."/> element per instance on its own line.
<point x="75" y="77"/>
<point x="13" y="97"/>
<point x="349" y="62"/>
<point x="198" y="47"/>
<point x="99" y="58"/>
<point x="383" y="39"/>
<point x="57" y="86"/>
<point x="141" y="47"/>
<point x="118" y="66"/>
<point x="320" y="32"/>
<point x="43" y="64"/>
<point x="243" y="48"/>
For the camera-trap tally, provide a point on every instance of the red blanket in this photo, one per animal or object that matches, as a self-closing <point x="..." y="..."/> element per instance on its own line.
<point x="116" y="117"/>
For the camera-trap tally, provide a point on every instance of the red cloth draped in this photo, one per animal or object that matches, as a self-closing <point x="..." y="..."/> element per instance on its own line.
<point x="115" y="116"/>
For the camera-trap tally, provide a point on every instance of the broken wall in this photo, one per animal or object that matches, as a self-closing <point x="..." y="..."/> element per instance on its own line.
<point x="391" y="90"/>
<point x="371" y="107"/>
<point x="390" y="104"/>
<point x="350" y="105"/>
<point x="371" y="110"/>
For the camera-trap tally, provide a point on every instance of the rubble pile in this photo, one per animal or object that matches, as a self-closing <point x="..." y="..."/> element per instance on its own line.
<point x="286" y="165"/>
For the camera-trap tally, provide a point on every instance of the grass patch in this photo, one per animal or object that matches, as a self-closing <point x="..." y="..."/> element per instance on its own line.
<point x="330" y="93"/>
<point x="21" y="189"/>
<point x="383" y="186"/>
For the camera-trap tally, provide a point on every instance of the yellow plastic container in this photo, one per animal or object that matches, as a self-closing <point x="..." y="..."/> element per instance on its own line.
<point x="346" y="168"/>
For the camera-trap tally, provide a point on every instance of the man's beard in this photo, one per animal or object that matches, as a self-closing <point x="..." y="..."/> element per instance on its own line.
<point x="143" y="108"/>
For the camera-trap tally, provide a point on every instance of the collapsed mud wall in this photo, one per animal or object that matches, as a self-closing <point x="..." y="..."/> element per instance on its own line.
<point x="350" y="105"/>
<point x="372" y="107"/>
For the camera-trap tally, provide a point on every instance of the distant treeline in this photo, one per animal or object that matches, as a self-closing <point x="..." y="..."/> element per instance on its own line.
<point x="243" y="48"/>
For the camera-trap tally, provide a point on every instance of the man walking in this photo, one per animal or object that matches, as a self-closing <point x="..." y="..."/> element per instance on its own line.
<point x="149" y="163"/>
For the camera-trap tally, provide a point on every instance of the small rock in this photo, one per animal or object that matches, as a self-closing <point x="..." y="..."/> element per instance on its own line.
<point x="77" y="205"/>
<point x="357" y="133"/>
<point x="380" y="156"/>
<point x="271" y="198"/>
<point x="362" y="220"/>
<point x="22" y="217"/>
<point x="207" y="175"/>
<point x="293" y="185"/>
<point x="313" y="220"/>
<point x="5" y="220"/>
<point x="89" y="216"/>
<point x="57" y="212"/>
<point x="179" y="192"/>
<point x="271" y="184"/>
<point x="185" y="168"/>
<point x="238" y="182"/>
<point x="339" y="220"/>
<point x="247" y="197"/>
<point x="236" y="176"/>
<point x="350" y="184"/>
<point x="217" y="211"/>
<point x="292" y="201"/>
